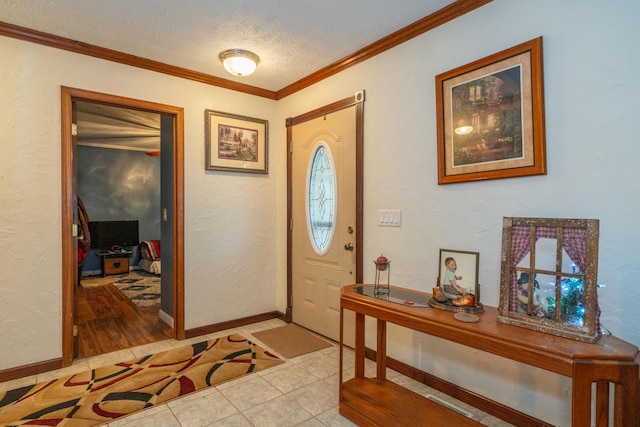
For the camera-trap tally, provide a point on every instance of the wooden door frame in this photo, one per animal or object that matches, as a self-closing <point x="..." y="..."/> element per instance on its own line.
<point x="356" y="100"/>
<point x="69" y="242"/>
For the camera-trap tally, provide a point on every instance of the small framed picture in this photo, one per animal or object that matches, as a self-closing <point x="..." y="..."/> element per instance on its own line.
<point x="459" y="269"/>
<point x="236" y="143"/>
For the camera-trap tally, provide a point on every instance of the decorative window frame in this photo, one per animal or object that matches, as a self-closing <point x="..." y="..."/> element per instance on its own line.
<point x="580" y="237"/>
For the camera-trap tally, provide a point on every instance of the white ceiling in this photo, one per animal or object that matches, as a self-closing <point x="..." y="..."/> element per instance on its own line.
<point x="293" y="38"/>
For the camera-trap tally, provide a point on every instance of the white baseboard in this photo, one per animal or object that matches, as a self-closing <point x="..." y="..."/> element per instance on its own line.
<point x="165" y="318"/>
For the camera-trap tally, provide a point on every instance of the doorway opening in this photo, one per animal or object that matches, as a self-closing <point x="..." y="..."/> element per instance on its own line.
<point x="172" y="119"/>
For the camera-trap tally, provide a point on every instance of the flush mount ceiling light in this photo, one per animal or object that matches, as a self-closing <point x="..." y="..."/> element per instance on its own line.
<point x="239" y="62"/>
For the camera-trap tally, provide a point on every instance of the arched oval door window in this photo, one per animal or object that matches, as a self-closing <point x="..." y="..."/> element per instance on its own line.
<point x="321" y="198"/>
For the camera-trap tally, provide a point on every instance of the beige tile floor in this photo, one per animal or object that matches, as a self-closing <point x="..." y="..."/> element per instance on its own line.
<point x="301" y="392"/>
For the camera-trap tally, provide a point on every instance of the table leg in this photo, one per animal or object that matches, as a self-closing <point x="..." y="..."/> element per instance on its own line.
<point x="341" y="351"/>
<point x="381" y="352"/>
<point x="623" y="375"/>
<point x="359" y="346"/>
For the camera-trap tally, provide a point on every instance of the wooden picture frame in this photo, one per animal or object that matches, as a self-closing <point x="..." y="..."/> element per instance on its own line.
<point x="491" y="120"/>
<point x="549" y="274"/>
<point x="236" y="143"/>
<point x="467" y="267"/>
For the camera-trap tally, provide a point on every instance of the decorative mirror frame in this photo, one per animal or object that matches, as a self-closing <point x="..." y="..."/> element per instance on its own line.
<point x="581" y="237"/>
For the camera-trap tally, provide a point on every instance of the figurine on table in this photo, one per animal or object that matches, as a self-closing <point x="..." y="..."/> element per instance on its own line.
<point x="459" y="295"/>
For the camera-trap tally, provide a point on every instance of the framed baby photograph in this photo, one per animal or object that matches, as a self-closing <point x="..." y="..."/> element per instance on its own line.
<point x="461" y="266"/>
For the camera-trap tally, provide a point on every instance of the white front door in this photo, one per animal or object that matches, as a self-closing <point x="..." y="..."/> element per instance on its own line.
<point x="324" y="218"/>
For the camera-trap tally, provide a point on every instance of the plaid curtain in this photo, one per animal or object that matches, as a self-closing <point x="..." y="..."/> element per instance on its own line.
<point x="519" y="249"/>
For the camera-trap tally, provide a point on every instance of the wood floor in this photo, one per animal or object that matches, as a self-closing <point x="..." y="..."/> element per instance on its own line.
<point x="108" y="321"/>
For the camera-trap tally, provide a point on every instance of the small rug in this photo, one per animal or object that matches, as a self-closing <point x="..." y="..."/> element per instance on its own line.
<point x="142" y="288"/>
<point x="291" y="340"/>
<point x="104" y="394"/>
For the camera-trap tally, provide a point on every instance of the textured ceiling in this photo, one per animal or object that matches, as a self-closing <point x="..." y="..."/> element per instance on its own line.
<point x="293" y="38"/>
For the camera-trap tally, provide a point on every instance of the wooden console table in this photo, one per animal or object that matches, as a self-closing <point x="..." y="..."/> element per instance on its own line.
<point x="376" y="401"/>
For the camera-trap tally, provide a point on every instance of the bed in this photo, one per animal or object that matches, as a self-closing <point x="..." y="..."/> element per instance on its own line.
<point x="150" y="256"/>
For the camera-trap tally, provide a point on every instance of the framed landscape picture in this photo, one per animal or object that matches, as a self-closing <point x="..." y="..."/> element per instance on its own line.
<point x="236" y="143"/>
<point x="491" y="117"/>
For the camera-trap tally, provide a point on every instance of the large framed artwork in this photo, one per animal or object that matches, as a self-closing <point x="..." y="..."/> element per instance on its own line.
<point x="236" y="143"/>
<point x="491" y="117"/>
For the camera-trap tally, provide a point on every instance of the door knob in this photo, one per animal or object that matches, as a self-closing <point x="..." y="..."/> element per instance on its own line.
<point x="348" y="247"/>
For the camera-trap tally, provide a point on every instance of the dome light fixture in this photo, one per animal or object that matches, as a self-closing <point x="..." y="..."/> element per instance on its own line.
<point x="239" y="62"/>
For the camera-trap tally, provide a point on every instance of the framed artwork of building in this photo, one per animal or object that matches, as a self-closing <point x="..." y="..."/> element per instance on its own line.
<point x="491" y="117"/>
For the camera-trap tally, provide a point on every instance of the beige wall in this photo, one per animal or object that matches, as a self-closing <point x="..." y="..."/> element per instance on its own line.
<point x="230" y="223"/>
<point x="590" y="72"/>
<point x="233" y="221"/>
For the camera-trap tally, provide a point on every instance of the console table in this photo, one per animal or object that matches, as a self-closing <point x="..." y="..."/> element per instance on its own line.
<point x="376" y="401"/>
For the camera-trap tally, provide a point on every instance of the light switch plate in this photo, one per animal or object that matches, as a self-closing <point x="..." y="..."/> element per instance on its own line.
<point x="390" y="218"/>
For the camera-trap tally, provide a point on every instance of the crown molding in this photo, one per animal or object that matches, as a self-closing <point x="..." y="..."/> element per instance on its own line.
<point x="444" y="15"/>
<point x="419" y="27"/>
<point x="63" y="43"/>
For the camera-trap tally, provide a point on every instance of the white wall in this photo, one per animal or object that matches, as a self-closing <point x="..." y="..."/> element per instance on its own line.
<point x="590" y="71"/>
<point x="230" y="218"/>
<point x="233" y="220"/>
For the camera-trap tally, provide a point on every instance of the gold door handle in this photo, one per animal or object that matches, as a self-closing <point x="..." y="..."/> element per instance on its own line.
<point x="348" y="247"/>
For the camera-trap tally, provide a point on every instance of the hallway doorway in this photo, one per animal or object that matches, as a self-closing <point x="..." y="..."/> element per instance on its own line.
<point x="172" y="206"/>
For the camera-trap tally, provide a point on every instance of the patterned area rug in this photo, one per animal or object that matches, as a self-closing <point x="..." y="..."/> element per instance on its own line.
<point x="104" y="394"/>
<point x="142" y="288"/>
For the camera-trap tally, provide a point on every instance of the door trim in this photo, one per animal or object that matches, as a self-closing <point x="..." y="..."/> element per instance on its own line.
<point x="358" y="100"/>
<point x="69" y="248"/>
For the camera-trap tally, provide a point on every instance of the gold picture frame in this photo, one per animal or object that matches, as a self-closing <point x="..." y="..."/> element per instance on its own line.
<point x="491" y="117"/>
<point x="235" y="143"/>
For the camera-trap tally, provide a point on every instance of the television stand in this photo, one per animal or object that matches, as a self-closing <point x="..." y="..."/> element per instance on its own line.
<point x="114" y="262"/>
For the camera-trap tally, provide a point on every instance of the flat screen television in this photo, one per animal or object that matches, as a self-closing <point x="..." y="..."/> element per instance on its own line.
<point x="105" y="234"/>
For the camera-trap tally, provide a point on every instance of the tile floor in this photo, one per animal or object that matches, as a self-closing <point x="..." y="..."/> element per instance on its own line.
<point x="301" y="392"/>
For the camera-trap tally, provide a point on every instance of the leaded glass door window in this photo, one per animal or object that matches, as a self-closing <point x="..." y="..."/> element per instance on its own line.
<point x="321" y="198"/>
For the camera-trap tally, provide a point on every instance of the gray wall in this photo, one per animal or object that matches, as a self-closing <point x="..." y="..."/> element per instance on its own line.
<point x="120" y="185"/>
